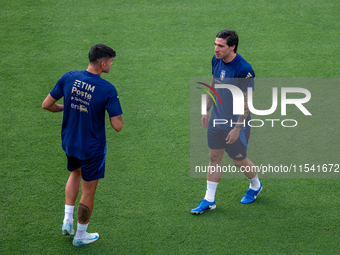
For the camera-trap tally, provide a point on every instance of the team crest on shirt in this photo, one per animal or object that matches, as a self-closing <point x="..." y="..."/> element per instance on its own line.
<point x="222" y="75"/>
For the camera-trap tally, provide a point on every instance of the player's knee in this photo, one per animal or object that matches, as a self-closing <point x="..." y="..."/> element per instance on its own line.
<point x="214" y="157"/>
<point x="239" y="163"/>
<point x="76" y="173"/>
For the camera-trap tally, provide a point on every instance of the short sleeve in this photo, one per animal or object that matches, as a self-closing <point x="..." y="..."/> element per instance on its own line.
<point x="113" y="104"/>
<point x="246" y="79"/>
<point x="57" y="92"/>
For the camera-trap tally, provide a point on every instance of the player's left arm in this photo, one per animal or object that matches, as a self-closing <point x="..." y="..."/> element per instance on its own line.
<point x="51" y="105"/>
<point x="117" y="122"/>
<point x="235" y="132"/>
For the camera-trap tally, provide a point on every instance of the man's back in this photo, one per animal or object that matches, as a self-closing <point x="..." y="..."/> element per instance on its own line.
<point x="86" y="97"/>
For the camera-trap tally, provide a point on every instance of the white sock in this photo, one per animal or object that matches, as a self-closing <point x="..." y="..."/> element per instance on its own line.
<point x="254" y="183"/>
<point x="81" y="231"/>
<point x="211" y="190"/>
<point x="69" y="213"/>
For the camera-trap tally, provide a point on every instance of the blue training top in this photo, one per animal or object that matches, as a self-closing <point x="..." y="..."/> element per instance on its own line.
<point x="86" y="96"/>
<point x="238" y="72"/>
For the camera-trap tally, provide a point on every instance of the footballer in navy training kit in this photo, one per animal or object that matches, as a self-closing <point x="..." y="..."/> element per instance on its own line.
<point x="228" y="67"/>
<point x="86" y="98"/>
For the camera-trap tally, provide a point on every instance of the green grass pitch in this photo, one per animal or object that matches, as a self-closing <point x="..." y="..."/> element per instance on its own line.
<point x="142" y="206"/>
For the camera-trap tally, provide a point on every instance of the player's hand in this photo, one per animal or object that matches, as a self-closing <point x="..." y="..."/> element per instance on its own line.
<point x="205" y="120"/>
<point x="233" y="135"/>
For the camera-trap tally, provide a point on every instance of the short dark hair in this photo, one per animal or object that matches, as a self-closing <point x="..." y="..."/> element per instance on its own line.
<point x="230" y="36"/>
<point x="100" y="51"/>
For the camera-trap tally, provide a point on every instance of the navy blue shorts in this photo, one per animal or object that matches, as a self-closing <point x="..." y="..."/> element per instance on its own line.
<point x="236" y="150"/>
<point x="91" y="169"/>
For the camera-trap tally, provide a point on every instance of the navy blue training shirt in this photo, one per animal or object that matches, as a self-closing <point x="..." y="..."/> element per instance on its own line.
<point x="238" y="72"/>
<point x="86" y="97"/>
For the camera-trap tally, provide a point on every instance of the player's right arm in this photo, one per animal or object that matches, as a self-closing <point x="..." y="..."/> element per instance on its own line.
<point x="205" y="118"/>
<point x="50" y="104"/>
<point x="117" y="122"/>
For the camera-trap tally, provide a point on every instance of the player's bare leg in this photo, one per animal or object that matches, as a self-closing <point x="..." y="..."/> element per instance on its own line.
<point x="71" y="193"/>
<point x="248" y="165"/>
<point x="86" y="202"/>
<point x="72" y="187"/>
<point x="84" y="212"/>
<point x="215" y="159"/>
<point x="213" y="178"/>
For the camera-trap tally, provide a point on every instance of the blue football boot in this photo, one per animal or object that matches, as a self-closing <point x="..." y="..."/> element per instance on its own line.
<point x="203" y="206"/>
<point x="251" y="195"/>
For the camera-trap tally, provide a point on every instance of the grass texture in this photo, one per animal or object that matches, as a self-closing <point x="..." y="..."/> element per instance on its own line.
<point x="142" y="206"/>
